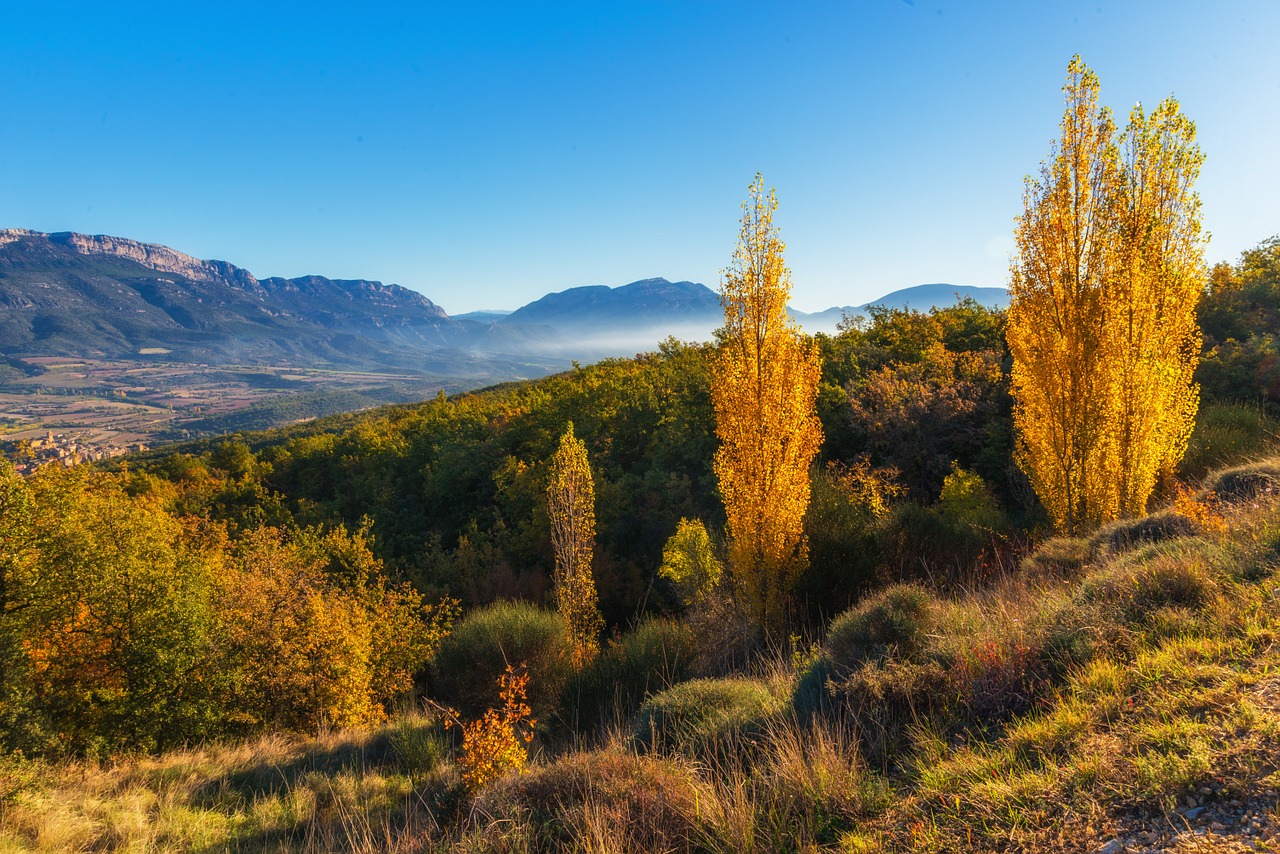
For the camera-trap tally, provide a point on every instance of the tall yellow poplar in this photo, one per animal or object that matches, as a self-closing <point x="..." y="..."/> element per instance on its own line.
<point x="571" y="506"/>
<point x="1153" y="341"/>
<point x="1102" y="312"/>
<point x="764" y="389"/>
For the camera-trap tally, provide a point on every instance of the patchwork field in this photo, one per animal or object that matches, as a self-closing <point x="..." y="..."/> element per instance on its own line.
<point x="110" y="406"/>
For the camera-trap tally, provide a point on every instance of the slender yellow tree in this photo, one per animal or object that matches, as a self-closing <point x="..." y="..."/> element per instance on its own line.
<point x="1153" y="341"/>
<point x="764" y="388"/>
<point x="1102" y="314"/>
<point x="571" y="506"/>
<point x="1055" y="312"/>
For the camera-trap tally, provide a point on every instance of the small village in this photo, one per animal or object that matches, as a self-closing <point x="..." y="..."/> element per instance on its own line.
<point x="67" y="449"/>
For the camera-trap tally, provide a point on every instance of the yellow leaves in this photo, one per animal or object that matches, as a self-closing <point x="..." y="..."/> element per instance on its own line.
<point x="1102" y="324"/>
<point x="496" y="743"/>
<point x="866" y="486"/>
<point x="764" y="389"/>
<point x="689" y="561"/>
<point x="320" y="648"/>
<point x="571" y="500"/>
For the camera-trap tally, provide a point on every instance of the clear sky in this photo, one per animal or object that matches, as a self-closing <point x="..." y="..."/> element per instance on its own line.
<point x="487" y="153"/>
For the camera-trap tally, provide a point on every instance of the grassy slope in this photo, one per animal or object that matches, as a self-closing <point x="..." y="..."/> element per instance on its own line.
<point x="1159" y="731"/>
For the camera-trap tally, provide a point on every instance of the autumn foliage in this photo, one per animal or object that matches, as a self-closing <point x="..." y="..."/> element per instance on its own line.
<point x="571" y="501"/>
<point x="764" y="388"/>
<point x="1102" y="321"/>
<point x="497" y="743"/>
<point x="123" y="626"/>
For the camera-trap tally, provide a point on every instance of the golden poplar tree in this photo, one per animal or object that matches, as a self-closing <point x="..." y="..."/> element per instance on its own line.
<point x="1102" y="313"/>
<point x="571" y="506"/>
<point x="1153" y="341"/>
<point x="764" y="388"/>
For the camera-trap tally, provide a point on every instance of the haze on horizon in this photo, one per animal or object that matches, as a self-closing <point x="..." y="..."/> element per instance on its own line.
<point x="487" y="154"/>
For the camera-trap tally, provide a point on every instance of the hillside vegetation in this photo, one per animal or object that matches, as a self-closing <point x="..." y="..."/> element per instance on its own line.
<point x="769" y="593"/>
<point x="1116" y="688"/>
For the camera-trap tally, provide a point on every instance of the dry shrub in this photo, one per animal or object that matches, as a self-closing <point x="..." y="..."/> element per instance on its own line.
<point x="725" y="637"/>
<point x="645" y="803"/>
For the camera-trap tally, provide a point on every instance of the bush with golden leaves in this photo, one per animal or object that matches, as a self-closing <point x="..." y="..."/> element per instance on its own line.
<point x="497" y="743"/>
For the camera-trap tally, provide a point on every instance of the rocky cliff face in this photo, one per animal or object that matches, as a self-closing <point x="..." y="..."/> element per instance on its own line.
<point x="162" y="259"/>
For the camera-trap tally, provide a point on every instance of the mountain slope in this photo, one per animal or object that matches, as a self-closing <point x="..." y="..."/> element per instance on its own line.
<point x="69" y="294"/>
<point x="639" y="305"/>
<point x="104" y="297"/>
<point x="651" y="309"/>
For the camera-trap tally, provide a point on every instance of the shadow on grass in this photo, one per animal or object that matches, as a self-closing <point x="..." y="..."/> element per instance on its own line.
<point x="356" y="793"/>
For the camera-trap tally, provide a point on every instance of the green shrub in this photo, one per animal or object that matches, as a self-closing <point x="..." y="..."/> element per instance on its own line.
<point x="640" y="803"/>
<point x="1126" y="534"/>
<point x="813" y="693"/>
<point x="843" y="550"/>
<point x="705" y="715"/>
<point x="475" y="654"/>
<point x="651" y="658"/>
<point x="1227" y="434"/>
<point x="894" y="620"/>
<point x="418" y="747"/>
<point x="915" y="538"/>
<point x="1245" y="483"/>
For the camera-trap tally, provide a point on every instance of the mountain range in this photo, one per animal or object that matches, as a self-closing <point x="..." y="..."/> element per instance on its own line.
<point x="69" y="294"/>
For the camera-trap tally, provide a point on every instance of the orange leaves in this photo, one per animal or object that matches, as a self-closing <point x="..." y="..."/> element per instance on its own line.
<point x="1204" y="512"/>
<point x="764" y="390"/>
<point x="496" y="743"/>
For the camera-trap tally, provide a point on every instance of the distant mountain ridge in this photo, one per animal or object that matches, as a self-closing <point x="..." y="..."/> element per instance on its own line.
<point x="692" y="310"/>
<point x="108" y="297"/>
<point x="96" y="296"/>
<point x="920" y="297"/>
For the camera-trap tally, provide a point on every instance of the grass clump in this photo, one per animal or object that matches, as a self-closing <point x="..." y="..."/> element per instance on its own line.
<point x="705" y="715"/>
<point x="608" y="800"/>
<point x="1245" y="483"/>
<point x="1060" y="556"/>
<point x="895" y="621"/>
<point x="1126" y="534"/>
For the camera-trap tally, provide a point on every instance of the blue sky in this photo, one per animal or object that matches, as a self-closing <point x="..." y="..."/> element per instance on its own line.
<point x="486" y="153"/>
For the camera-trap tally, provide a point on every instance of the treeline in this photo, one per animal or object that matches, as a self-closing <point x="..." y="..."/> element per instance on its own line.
<point x="454" y="489"/>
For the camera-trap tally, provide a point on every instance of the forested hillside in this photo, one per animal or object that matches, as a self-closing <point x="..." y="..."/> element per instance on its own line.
<point x="890" y="588"/>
